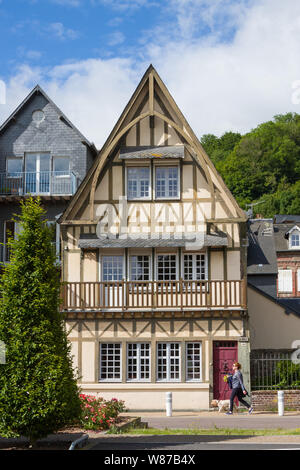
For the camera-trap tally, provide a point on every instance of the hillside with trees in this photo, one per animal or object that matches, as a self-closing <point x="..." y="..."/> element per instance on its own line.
<point x="262" y="165"/>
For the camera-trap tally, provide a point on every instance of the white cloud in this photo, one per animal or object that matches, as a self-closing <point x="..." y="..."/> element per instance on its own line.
<point x="61" y="32"/>
<point x="116" y="38"/>
<point x="218" y="86"/>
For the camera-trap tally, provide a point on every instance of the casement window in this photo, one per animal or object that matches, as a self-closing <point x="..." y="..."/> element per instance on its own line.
<point x="139" y="268"/>
<point x="138" y="361"/>
<point x="167" y="267"/>
<point x="14" y="167"/>
<point x="166" y="182"/>
<point x="112" y="268"/>
<point x="110" y="362"/>
<point x="168" y="362"/>
<point x="193" y="361"/>
<point x="138" y="182"/>
<point x="194" y="267"/>
<point x="295" y="240"/>
<point x="285" y="280"/>
<point x="61" y="166"/>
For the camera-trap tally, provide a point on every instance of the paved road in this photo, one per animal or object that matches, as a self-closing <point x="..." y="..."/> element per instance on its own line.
<point x="236" y="422"/>
<point x="187" y="443"/>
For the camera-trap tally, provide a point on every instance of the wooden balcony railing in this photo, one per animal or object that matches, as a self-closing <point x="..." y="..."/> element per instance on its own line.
<point x="149" y="295"/>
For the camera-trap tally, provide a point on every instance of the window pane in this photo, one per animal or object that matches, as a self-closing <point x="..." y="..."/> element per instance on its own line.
<point x="110" y="361"/>
<point x="166" y="183"/>
<point x="61" y="165"/>
<point x="138" y="182"/>
<point x="193" y="361"/>
<point x="140" y="268"/>
<point x="14" y="166"/>
<point x="138" y="361"/>
<point x="166" y="267"/>
<point x="168" y="361"/>
<point x="112" y="268"/>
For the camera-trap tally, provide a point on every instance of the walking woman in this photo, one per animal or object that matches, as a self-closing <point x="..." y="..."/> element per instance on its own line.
<point x="238" y="389"/>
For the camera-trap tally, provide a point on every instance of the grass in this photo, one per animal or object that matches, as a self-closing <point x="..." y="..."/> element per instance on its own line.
<point x="209" y="432"/>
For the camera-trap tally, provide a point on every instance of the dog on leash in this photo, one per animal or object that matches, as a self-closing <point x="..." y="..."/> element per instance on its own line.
<point x="223" y="405"/>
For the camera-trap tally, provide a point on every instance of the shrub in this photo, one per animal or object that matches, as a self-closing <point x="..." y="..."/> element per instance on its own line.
<point x="97" y="413"/>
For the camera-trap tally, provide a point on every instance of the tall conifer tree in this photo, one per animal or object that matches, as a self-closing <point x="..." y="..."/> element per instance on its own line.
<point x="38" y="391"/>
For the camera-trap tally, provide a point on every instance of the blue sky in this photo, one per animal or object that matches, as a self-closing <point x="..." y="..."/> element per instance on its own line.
<point x="229" y="64"/>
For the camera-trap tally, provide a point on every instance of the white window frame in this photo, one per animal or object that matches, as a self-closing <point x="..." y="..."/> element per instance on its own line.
<point x="100" y="362"/>
<point x="156" y="266"/>
<point x="103" y="255"/>
<point x="138" y="358"/>
<point x="16" y="172"/>
<point x="138" y="198"/>
<point x="294" y="233"/>
<point x="168" y="361"/>
<point x="282" y="288"/>
<point x="161" y="198"/>
<point x="66" y="175"/>
<point x="298" y="280"/>
<point x="129" y="270"/>
<point x="38" y="173"/>
<point x="194" y="255"/>
<point x="186" y="361"/>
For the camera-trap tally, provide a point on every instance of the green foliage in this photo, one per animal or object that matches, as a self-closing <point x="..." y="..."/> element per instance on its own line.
<point x="287" y="375"/>
<point x="38" y="391"/>
<point x="262" y="165"/>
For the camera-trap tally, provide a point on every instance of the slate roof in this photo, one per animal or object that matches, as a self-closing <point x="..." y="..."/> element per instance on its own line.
<point x="175" y="151"/>
<point x="280" y="235"/>
<point x="192" y="241"/>
<point x="38" y="89"/>
<point x="261" y="250"/>
<point x="265" y="239"/>
<point x="286" y="219"/>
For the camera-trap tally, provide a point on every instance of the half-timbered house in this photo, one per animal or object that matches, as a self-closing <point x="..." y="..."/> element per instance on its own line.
<point x="154" y="263"/>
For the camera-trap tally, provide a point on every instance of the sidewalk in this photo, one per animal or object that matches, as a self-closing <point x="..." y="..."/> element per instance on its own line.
<point x="212" y="419"/>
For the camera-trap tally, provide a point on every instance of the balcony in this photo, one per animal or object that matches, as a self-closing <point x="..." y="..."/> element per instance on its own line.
<point x="152" y="295"/>
<point x="48" y="183"/>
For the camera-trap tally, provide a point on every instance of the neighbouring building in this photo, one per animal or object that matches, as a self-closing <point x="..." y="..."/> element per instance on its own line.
<point x="42" y="154"/>
<point x="273" y="301"/>
<point x="154" y="267"/>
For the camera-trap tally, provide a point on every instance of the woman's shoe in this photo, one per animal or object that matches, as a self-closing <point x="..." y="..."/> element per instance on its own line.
<point x="250" y="410"/>
<point x="229" y="413"/>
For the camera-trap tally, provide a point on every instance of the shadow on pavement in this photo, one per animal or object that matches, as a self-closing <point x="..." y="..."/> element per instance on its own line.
<point x="156" y="442"/>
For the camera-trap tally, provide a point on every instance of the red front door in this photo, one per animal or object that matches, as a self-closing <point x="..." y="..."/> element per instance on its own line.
<point x="224" y="355"/>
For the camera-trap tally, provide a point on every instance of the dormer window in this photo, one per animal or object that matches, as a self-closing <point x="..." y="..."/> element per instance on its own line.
<point x="294" y="238"/>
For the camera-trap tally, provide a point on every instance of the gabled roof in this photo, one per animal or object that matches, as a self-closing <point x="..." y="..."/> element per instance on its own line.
<point x="149" y="81"/>
<point x="292" y="229"/>
<point x="262" y="257"/>
<point x="280" y="236"/>
<point x="36" y="90"/>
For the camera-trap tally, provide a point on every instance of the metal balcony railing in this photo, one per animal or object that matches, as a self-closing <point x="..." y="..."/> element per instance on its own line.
<point x="41" y="183"/>
<point x="143" y="295"/>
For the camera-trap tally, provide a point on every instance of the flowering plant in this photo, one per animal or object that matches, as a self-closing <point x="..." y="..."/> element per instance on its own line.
<point x="98" y="413"/>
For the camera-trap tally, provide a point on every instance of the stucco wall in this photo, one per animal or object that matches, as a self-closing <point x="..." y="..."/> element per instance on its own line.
<point x="270" y="326"/>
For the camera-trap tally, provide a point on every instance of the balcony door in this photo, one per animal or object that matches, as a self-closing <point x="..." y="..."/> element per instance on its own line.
<point x="112" y="275"/>
<point x="37" y="176"/>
